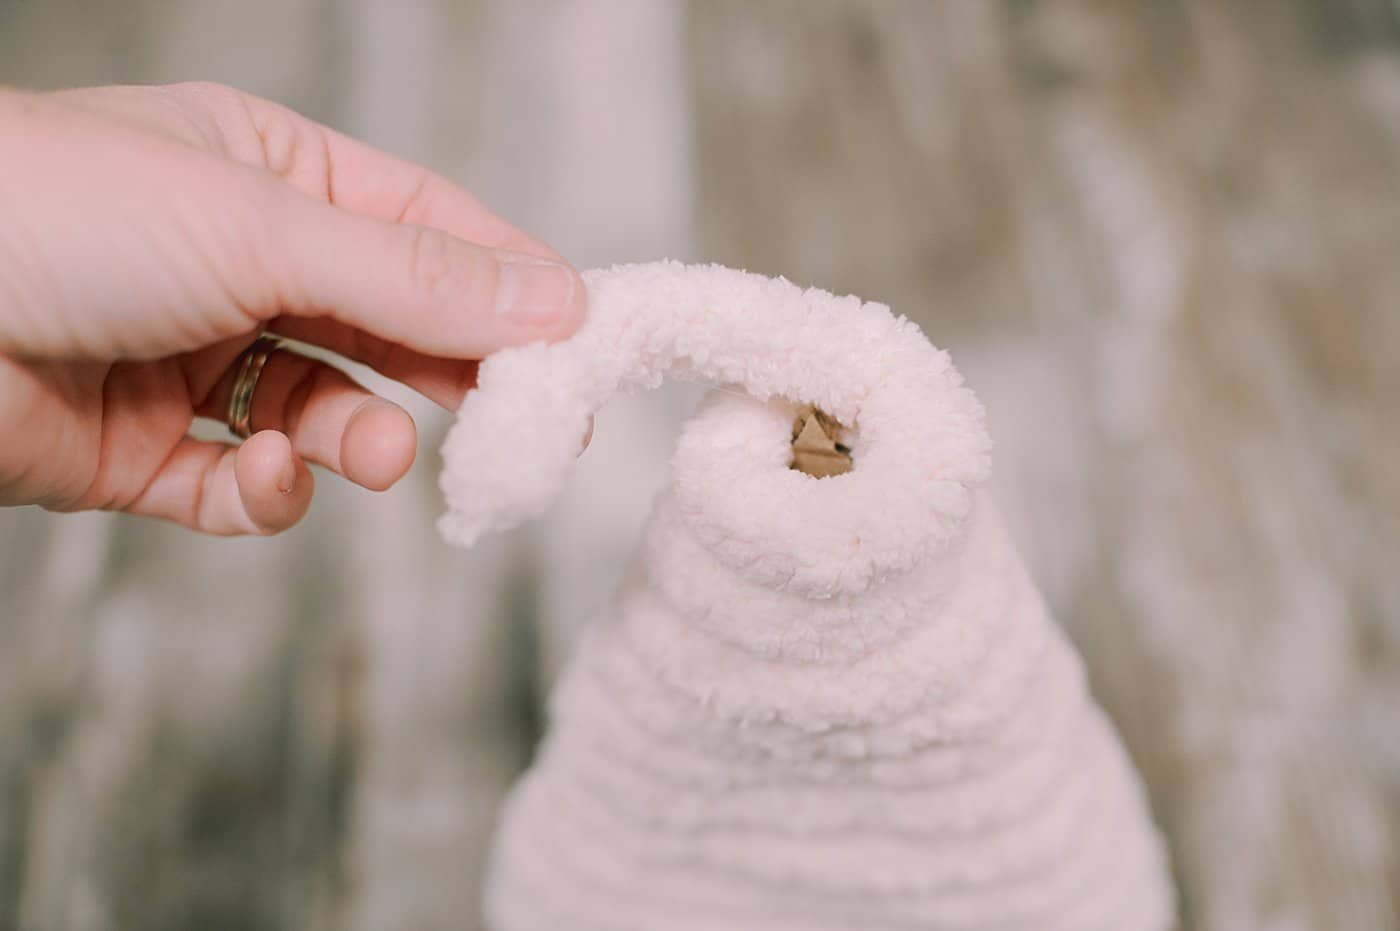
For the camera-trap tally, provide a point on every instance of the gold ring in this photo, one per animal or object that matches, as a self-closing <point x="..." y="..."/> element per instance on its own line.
<point x="250" y="368"/>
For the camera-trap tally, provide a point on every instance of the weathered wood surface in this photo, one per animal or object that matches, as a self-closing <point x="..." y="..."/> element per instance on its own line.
<point x="1160" y="238"/>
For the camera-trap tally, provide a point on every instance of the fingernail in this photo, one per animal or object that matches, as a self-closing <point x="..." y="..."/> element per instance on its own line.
<point x="536" y="291"/>
<point x="287" y="479"/>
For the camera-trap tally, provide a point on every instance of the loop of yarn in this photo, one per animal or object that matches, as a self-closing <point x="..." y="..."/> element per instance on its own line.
<point x="919" y="440"/>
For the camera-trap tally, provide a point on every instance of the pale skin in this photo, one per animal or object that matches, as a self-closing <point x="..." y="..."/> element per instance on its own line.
<point x="148" y="235"/>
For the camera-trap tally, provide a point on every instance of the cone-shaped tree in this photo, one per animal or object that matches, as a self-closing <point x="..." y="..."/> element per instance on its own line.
<point x="819" y="703"/>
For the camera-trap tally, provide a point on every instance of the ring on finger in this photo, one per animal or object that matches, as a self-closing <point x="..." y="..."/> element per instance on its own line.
<point x="250" y="364"/>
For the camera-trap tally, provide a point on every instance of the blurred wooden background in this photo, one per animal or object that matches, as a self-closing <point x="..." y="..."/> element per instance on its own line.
<point x="1162" y="238"/>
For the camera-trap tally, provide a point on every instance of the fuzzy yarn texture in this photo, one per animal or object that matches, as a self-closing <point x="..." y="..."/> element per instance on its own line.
<point x="818" y="704"/>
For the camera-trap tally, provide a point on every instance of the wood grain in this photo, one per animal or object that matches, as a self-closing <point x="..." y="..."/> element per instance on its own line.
<point x="1159" y="237"/>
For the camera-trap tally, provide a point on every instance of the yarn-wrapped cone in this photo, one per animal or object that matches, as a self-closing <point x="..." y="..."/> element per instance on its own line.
<point x="818" y="704"/>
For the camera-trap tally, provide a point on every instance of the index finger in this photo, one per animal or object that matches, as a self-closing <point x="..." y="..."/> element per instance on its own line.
<point x="350" y="174"/>
<point x="366" y="180"/>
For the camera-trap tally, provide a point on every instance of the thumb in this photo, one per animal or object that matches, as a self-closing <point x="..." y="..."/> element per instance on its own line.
<point x="419" y="286"/>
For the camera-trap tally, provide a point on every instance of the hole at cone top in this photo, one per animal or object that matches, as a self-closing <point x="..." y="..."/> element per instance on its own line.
<point x="817" y="449"/>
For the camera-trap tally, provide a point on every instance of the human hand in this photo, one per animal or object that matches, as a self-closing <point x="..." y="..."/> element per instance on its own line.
<point x="148" y="235"/>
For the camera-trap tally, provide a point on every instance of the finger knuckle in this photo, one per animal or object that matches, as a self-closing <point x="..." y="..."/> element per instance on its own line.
<point x="431" y="269"/>
<point x="211" y="94"/>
